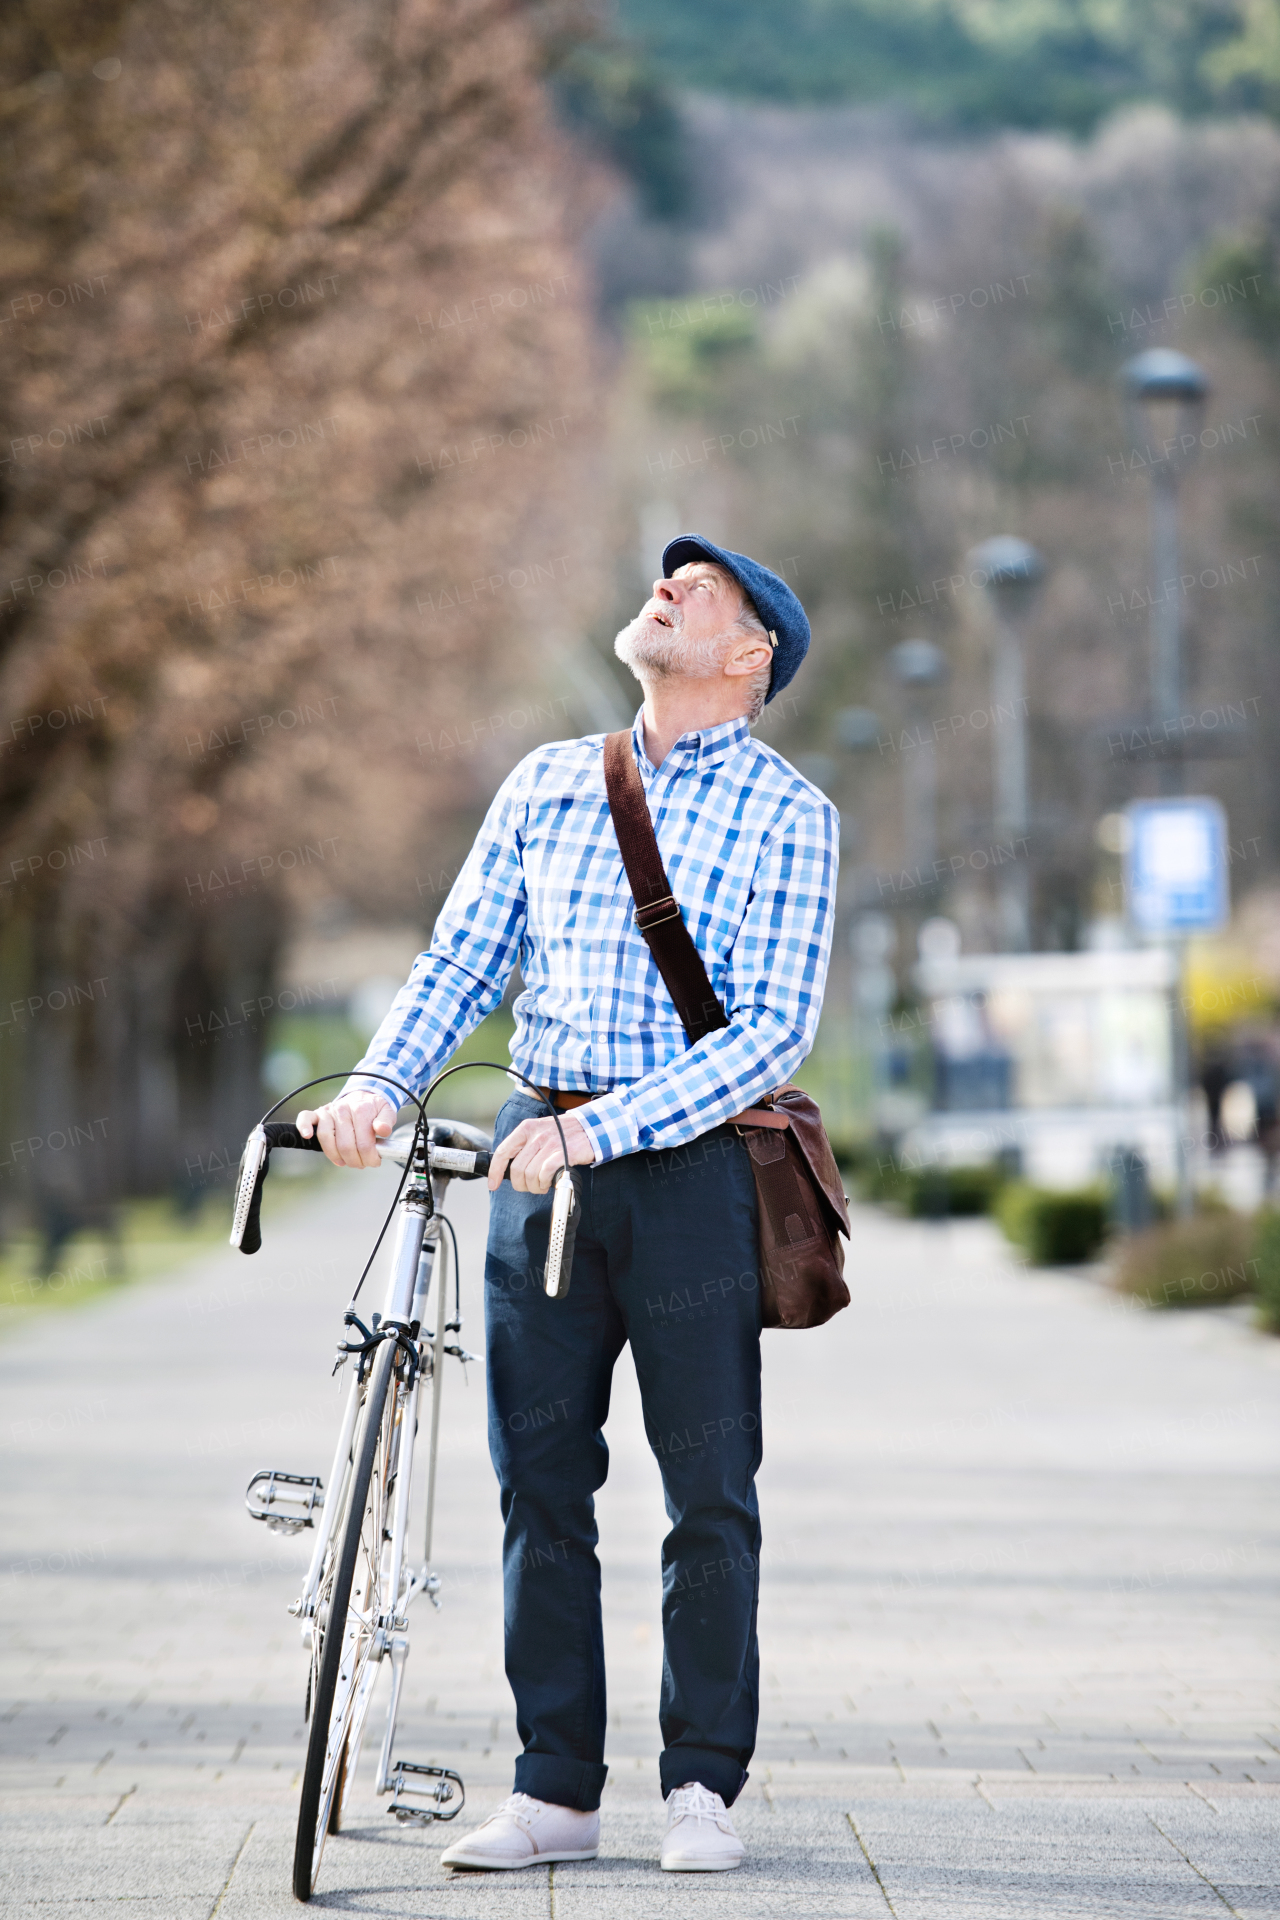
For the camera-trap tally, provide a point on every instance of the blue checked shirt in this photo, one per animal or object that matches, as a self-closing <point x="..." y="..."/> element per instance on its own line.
<point x="750" y="850"/>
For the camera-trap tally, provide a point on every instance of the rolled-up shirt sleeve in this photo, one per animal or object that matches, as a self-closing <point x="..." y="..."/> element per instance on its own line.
<point x="462" y="975"/>
<point x="772" y="993"/>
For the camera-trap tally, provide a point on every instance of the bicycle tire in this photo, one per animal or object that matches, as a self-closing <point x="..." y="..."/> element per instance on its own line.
<point x="309" y="1844"/>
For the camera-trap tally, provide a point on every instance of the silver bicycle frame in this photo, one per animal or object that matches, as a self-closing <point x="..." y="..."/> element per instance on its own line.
<point x="402" y="1284"/>
<point x="419" y="1255"/>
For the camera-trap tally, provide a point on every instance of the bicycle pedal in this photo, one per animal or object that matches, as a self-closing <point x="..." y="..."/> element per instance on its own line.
<point x="286" y="1501"/>
<point x="423" y="1581"/>
<point x="446" y="1788"/>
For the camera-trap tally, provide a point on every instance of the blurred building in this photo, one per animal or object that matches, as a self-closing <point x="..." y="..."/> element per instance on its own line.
<point x="1052" y="1061"/>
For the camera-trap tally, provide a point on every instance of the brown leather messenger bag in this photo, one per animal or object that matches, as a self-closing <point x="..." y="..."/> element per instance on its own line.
<point x="802" y="1209"/>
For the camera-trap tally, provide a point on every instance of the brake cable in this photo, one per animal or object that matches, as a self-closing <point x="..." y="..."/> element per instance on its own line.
<point x="421" y="1129"/>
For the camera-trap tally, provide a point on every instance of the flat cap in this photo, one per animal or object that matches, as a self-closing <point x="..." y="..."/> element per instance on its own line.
<point x="772" y="598"/>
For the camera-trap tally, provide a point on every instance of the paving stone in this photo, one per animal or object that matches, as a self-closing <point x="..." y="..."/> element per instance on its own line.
<point x="1018" y="1626"/>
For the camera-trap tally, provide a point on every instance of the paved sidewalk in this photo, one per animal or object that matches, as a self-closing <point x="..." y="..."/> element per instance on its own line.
<point x="1018" y="1620"/>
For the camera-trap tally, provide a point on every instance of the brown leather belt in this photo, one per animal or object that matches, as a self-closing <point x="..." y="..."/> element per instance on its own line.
<point x="564" y="1099"/>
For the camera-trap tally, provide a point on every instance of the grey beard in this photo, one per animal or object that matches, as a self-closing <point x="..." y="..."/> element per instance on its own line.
<point x="670" y="657"/>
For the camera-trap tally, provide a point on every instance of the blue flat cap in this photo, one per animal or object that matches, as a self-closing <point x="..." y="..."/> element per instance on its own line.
<point x="772" y="598"/>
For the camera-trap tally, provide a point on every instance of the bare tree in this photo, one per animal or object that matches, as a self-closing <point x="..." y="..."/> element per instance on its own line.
<point x="296" y="365"/>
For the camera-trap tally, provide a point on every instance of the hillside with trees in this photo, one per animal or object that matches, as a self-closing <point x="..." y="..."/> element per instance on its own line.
<point x="974" y="63"/>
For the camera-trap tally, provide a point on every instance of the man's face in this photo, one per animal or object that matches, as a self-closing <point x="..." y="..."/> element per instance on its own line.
<point x="670" y="633"/>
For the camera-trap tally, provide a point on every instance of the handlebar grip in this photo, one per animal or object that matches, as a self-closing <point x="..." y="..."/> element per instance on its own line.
<point x="283" y="1133"/>
<point x="246" y="1218"/>
<point x="566" y="1210"/>
<point x="246" y="1222"/>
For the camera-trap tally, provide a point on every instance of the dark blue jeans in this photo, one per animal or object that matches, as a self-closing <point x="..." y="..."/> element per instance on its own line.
<point x="666" y="1259"/>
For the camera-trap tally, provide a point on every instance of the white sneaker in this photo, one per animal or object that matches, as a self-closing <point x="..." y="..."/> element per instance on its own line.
<point x="700" y="1836"/>
<point x="525" y="1832"/>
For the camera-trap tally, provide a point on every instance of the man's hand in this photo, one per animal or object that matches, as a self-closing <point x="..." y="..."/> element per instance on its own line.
<point x="350" y="1128"/>
<point x="533" y="1152"/>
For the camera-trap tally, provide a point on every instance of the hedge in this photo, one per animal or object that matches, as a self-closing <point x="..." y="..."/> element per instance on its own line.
<point x="1266" y="1267"/>
<point x="931" y="1193"/>
<point x="1054" y="1228"/>
<point x="1198" y="1262"/>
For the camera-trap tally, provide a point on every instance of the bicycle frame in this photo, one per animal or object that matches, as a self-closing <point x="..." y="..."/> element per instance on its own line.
<point x="419" y="1256"/>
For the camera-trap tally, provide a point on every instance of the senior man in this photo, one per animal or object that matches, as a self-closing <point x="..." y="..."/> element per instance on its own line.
<point x="666" y="1254"/>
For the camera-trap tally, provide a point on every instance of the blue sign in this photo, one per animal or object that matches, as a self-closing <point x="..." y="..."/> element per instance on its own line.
<point x="1176" y="866"/>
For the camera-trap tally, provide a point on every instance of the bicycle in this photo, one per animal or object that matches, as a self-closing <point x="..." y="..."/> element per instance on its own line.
<point x="358" y="1586"/>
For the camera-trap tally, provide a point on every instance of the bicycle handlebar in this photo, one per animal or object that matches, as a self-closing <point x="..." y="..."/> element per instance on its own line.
<point x="283" y="1133"/>
<point x="246" y="1227"/>
<point x="454" y="1161"/>
<point x="444" y="1159"/>
<point x="463" y="1165"/>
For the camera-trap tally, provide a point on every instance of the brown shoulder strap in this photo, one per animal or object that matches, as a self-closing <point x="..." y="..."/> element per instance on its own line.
<point x="658" y="915"/>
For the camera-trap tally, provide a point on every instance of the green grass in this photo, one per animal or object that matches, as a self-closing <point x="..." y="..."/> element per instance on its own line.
<point x="153" y="1240"/>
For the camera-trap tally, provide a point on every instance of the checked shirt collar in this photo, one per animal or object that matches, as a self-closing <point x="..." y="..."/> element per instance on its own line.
<point x="692" y="752"/>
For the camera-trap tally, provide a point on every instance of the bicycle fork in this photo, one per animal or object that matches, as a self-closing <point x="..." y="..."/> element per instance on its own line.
<point x="401" y="1291"/>
<point x="433" y="1262"/>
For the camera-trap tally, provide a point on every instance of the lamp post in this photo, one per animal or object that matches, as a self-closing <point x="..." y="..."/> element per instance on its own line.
<point x="1013" y="571"/>
<point x="872" y="939"/>
<point x="1171" y="390"/>
<point x="919" y="666"/>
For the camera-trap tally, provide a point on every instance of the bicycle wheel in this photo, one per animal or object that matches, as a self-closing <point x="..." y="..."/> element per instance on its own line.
<point x="346" y="1621"/>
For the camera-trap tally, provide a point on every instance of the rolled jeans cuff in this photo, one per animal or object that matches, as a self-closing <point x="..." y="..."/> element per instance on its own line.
<point x="561" y="1782"/>
<point x="681" y="1766"/>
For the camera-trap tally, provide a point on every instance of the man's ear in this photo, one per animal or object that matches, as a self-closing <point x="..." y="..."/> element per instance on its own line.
<point x="748" y="658"/>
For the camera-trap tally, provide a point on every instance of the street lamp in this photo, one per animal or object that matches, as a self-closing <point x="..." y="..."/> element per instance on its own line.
<point x="1172" y="391"/>
<point x="872" y="934"/>
<point x="1012" y="571"/>
<point x="919" y="666"/>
